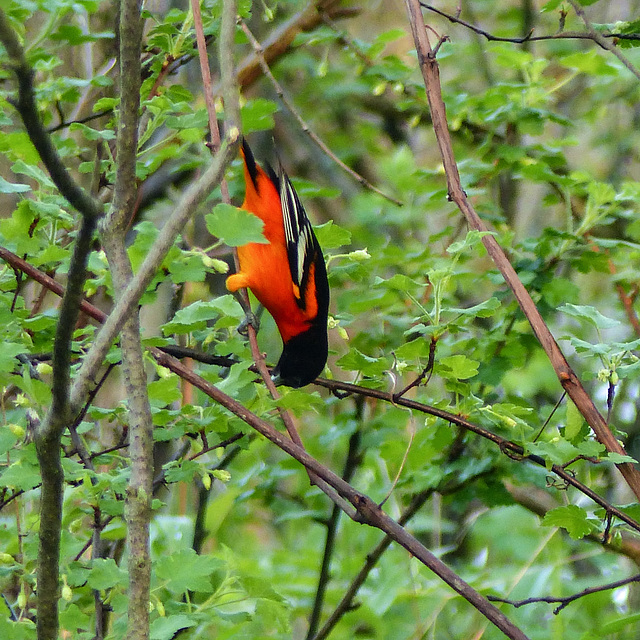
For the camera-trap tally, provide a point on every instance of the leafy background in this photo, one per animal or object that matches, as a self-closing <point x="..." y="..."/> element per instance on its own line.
<point x="545" y="135"/>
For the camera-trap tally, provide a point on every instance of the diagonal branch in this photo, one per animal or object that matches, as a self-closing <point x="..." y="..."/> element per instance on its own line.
<point x="565" y="373"/>
<point x="367" y="511"/>
<point x="509" y="448"/>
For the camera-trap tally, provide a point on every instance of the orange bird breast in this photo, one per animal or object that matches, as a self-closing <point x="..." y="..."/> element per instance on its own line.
<point x="264" y="268"/>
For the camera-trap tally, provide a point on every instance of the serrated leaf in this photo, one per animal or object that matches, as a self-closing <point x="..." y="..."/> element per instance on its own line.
<point x="459" y="367"/>
<point x="185" y="570"/>
<point x="572" y="518"/>
<point x="105" y="573"/>
<point x="590" y="315"/>
<point x="234" y="226"/>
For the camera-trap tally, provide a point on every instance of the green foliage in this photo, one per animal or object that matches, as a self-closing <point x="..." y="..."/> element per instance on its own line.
<point x="545" y="137"/>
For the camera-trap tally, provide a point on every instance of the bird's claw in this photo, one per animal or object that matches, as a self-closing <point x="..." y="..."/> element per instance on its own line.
<point x="250" y="319"/>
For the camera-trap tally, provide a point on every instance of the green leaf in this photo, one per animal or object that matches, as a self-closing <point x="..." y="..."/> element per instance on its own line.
<point x="105" y="573"/>
<point x="185" y="570"/>
<point x="572" y="518"/>
<point x="458" y="367"/>
<point x="166" y="628"/>
<point x="472" y="239"/>
<point x="617" y="625"/>
<point x="164" y="391"/>
<point x="198" y="315"/>
<point x="235" y="226"/>
<point x="574" y="421"/>
<point x="12" y="187"/>
<point x="485" y="309"/>
<point x="398" y="282"/>
<point x="355" y="360"/>
<point x="332" y="236"/>
<point x="21" y="475"/>
<point x="72" y="617"/>
<point x="257" y="115"/>
<point x="619" y="458"/>
<point x="590" y="62"/>
<point x="590" y="314"/>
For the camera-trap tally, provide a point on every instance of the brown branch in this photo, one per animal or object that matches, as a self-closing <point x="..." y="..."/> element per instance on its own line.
<point x="567" y="600"/>
<point x="565" y="373"/>
<point x="307" y="19"/>
<point x="561" y="35"/>
<point x="353" y="459"/>
<point x="367" y="511"/>
<point x="509" y="448"/>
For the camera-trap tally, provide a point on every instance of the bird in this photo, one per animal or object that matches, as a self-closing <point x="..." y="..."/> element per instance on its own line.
<point x="288" y="274"/>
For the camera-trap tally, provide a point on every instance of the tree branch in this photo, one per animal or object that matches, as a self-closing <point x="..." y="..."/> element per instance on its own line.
<point x="567" y="600"/>
<point x="351" y="464"/>
<point x="561" y="35"/>
<point x="602" y="41"/>
<point x="513" y="450"/>
<point x="367" y="511"/>
<point x="565" y="373"/>
<point x="113" y="231"/>
<point x="303" y="125"/>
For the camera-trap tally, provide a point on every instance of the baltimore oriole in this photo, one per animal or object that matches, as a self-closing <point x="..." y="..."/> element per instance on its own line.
<point x="288" y="275"/>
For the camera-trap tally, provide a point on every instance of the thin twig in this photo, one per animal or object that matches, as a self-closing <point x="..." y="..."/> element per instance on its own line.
<point x="303" y="124"/>
<point x="602" y="41"/>
<point x="546" y="422"/>
<point x="561" y="35"/>
<point x="351" y="464"/>
<point x="567" y="600"/>
<point x="428" y="370"/>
